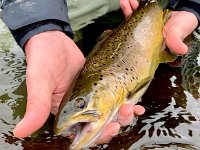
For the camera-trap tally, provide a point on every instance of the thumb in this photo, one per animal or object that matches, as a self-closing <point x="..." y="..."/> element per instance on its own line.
<point x="177" y="28"/>
<point x="175" y="43"/>
<point x="38" y="103"/>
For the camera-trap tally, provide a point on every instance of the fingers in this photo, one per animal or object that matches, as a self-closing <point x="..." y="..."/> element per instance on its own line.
<point x="109" y="131"/>
<point x="134" y="4"/>
<point x="127" y="113"/>
<point x="128" y="6"/>
<point x="125" y="117"/>
<point x="38" y="104"/>
<point x="174" y="42"/>
<point x="177" y="28"/>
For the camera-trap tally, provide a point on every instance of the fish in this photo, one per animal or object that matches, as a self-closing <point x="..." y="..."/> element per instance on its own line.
<point x="190" y="68"/>
<point x="118" y="70"/>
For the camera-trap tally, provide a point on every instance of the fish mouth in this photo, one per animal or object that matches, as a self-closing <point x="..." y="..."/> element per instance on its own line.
<point x="77" y="126"/>
<point x="71" y="130"/>
<point x="75" y="132"/>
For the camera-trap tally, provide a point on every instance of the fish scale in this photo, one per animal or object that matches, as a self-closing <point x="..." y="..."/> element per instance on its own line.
<point x="118" y="70"/>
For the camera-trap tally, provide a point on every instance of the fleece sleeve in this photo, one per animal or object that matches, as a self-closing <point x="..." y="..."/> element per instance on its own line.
<point x="26" y="18"/>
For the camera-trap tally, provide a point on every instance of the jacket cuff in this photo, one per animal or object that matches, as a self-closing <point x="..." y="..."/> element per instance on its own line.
<point x="190" y="6"/>
<point x="22" y="35"/>
<point x="30" y="17"/>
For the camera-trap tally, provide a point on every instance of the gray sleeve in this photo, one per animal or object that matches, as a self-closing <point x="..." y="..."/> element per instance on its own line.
<point x="26" y="18"/>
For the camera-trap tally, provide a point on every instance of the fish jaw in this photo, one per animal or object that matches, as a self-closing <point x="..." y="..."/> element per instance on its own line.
<point x="92" y="131"/>
<point x="68" y="126"/>
<point x="86" y="131"/>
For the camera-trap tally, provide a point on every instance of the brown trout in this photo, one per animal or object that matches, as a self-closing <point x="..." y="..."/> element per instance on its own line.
<point x="118" y="71"/>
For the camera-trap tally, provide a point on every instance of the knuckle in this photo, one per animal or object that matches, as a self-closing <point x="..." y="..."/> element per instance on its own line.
<point x="123" y="3"/>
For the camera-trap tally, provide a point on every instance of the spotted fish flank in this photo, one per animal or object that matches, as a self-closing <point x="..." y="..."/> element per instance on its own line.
<point x="119" y="69"/>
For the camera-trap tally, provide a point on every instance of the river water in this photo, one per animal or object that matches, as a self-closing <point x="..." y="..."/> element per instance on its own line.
<point x="171" y="120"/>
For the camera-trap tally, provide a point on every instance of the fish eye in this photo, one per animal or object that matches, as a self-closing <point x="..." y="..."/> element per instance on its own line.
<point x="80" y="103"/>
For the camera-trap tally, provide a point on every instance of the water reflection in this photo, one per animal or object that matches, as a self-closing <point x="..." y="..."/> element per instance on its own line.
<point x="191" y="67"/>
<point x="12" y="93"/>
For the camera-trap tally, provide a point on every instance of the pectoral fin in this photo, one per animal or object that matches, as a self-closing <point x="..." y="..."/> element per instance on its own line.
<point x="139" y="90"/>
<point x="87" y="116"/>
<point x="167" y="56"/>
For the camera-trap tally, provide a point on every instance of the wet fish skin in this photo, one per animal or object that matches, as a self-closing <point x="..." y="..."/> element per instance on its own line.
<point x="119" y="70"/>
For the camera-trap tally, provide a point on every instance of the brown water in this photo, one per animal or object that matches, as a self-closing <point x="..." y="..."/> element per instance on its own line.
<point x="171" y="120"/>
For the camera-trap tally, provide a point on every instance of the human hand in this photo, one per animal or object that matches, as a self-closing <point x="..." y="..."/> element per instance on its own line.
<point x="50" y="70"/>
<point x="128" y="6"/>
<point x="53" y="61"/>
<point x="177" y="28"/>
<point x="126" y="115"/>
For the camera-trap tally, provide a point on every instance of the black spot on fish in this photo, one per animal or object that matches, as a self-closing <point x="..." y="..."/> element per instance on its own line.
<point x="126" y="69"/>
<point x="95" y="84"/>
<point x="65" y="112"/>
<point x="101" y="78"/>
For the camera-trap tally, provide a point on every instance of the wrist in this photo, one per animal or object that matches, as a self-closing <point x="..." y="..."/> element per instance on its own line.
<point x="44" y="41"/>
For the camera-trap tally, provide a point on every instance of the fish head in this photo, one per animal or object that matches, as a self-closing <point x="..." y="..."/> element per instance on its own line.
<point x="85" y="115"/>
<point x="71" y="116"/>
